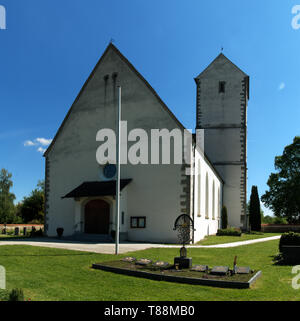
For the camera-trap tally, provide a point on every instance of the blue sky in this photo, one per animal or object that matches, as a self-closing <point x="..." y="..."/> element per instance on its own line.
<point x="50" y="47"/>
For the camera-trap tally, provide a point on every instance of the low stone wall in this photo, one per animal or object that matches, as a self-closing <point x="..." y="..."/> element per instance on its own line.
<point x="18" y="229"/>
<point x="279" y="228"/>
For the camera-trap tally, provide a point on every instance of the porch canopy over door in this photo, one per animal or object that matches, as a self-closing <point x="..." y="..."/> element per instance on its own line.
<point x="89" y="189"/>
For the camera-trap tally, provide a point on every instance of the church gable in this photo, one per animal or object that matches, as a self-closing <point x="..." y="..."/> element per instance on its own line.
<point x="95" y="106"/>
<point x="222" y="66"/>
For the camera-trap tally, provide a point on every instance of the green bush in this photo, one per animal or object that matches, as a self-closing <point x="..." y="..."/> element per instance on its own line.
<point x="16" y="295"/>
<point x="255" y="233"/>
<point x="10" y="232"/>
<point x="280" y="220"/>
<point x="290" y="238"/>
<point x="33" y="222"/>
<point x="35" y="233"/>
<point x="229" y="232"/>
<point x="224" y="218"/>
<point x="4" y="295"/>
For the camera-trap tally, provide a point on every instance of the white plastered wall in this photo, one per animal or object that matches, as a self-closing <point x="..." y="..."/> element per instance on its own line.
<point x="206" y="222"/>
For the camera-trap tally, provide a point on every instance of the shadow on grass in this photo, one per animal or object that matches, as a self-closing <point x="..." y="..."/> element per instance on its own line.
<point x="278" y="260"/>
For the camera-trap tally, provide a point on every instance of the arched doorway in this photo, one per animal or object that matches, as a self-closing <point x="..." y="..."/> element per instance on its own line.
<point x="96" y="217"/>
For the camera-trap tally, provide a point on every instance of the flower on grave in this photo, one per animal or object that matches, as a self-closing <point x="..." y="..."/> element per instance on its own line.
<point x="129" y="259"/>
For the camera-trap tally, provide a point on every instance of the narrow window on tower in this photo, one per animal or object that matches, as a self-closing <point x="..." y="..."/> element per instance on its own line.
<point x="222" y="86"/>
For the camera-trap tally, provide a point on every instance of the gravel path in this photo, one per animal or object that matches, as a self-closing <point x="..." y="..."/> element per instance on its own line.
<point x="109" y="248"/>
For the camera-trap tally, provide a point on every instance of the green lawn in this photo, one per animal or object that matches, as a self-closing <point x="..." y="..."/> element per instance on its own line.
<point x="214" y="239"/>
<point x="54" y="274"/>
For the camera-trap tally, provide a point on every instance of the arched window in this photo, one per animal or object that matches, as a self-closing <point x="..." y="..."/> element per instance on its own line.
<point x="206" y="198"/>
<point x="199" y="188"/>
<point x="213" y="200"/>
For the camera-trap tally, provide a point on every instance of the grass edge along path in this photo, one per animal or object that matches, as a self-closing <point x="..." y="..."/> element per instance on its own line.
<point x="216" y="240"/>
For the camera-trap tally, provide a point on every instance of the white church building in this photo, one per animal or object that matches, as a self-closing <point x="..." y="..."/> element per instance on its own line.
<point x="81" y="193"/>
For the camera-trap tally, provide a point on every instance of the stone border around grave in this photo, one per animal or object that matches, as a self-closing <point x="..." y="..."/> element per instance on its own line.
<point x="179" y="279"/>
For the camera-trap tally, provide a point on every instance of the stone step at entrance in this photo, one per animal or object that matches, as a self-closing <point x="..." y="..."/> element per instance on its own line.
<point x="84" y="237"/>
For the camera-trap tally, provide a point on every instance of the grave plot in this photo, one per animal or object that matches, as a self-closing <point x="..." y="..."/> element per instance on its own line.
<point x="218" y="276"/>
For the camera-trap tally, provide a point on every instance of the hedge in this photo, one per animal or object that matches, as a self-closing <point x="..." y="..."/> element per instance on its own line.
<point x="289" y="238"/>
<point x="229" y="232"/>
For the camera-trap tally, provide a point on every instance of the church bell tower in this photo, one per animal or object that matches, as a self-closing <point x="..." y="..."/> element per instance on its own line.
<point x="222" y="99"/>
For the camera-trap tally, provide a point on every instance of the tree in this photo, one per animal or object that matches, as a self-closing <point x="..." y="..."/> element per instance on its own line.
<point x="41" y="185"/>
<point x="262" y="214"/>
<point x="7" y="207"/>
<point x="224" y="218"/>
<point x="268" y="219"/>
<point x="283" y="196"/>
<point x="32" y="207"/>
<point x="18" y="216"/>
<point x="280" y="220"/>
<point x="254" y="210"/>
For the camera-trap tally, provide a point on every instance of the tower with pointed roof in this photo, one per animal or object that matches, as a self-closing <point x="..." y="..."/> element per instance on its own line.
<point x="222" y="98"/>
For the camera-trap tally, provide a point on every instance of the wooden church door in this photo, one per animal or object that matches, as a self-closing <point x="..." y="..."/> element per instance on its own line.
<point x="97" y="217"/>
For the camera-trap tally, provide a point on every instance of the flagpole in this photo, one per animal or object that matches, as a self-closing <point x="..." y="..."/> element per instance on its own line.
<point x="118" y="172"/>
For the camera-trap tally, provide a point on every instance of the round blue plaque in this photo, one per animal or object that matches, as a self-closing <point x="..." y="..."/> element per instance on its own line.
<point x="109" y="170"/>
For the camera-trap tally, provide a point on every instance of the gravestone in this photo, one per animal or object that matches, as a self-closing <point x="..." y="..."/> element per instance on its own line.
<point x="183" y="262"/>
<point x="200" y="268"/>
<point x="220" y="270"/>
<point x="242" y="270"/>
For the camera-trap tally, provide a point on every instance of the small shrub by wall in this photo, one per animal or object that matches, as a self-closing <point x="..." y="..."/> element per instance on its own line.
<point x="224" y="217"/>
<point x="229" y="232"/>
